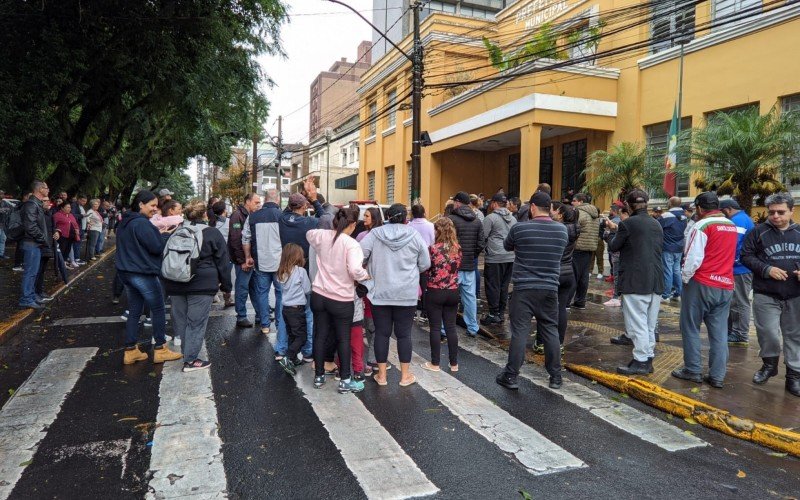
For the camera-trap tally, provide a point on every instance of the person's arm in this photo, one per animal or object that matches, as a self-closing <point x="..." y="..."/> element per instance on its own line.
<point x="487" y="228"/>
<point x="30" y="222"/>
<point x="355" y="263"/>
<point x="221" y="259"/>
<point x="616" y="244"/>
<point x="246" y="246"/>
<point x="150" y="238"/>
<point x="304" y="281"/>
<point x="480" y="244"/>
<point x="694" y="254"/>
<point x="423" y="257"/>
<point x="235" y="239"/>
<point x="366" y="245"/>
<point x="508" y="243"/>
<point x="751" y="255"/>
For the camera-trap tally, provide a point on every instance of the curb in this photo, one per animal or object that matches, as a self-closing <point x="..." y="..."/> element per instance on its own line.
<point x="684" y="407"/>
<point x="13" y="323"/>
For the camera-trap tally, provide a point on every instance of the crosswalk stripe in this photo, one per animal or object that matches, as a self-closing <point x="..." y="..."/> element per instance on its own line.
<point x="92" y="320"/>
<point x="186" y="457"/>
<point x="26" y="416"/>
<point x="388" y="472"/>
<point x="622" y="416"/>
<point x="534" y="451"/>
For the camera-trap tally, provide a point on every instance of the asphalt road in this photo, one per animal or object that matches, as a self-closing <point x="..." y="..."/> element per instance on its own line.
<point x="449" y="436"/>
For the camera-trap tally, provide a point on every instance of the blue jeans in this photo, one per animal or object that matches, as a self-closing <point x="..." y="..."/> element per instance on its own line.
<point x="76" y="248"/>
<point x="704" y="304"/>
<point x="244" y="285"/>
<point x="466" y="288"/>
<point x="672" y="274"/>
<point x="101" y="240"/>
<point x="308" y="348"/>
<point x="2" y="243"/>
<point x="32" y="257"/>
<point x="263" y="282"/>
<point x="144" y="289"/>
<point x="477" y="279"/>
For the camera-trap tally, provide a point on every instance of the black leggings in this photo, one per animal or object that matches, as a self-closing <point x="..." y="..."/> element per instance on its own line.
<point x="399" y="319"/>
<point x="442" y="305"/>
<point x="331" y="317"/>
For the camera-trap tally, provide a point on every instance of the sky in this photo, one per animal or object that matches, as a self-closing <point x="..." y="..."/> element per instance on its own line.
<point x="318" y="34"/>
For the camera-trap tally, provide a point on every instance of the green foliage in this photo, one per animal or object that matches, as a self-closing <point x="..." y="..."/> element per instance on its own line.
<point x="178" y="182"/>
<point x="543" y="44"/>
<point x="101" y="94"/>
<point x="742" y="153"/>
<point x="625" y="167"/>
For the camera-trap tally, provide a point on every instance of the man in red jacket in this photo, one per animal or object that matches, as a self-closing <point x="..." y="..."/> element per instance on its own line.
<point x="708" y="277"/>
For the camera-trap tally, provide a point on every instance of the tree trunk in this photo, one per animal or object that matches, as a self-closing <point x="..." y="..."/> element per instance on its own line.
<point x="745" y="199"/>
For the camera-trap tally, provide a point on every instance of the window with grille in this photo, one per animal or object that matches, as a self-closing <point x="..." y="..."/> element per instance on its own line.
<point x="391" y="100"/>
<point x="390" y="185"/>
<point x="373" y="115"/>
<point x="672" y="20"/>
<point x="792" y="103"/>
<point x="371" y="185"/>
<point x="657" y="137"/>
<point x="727" y="13"/>
<point x="546" y="165"/>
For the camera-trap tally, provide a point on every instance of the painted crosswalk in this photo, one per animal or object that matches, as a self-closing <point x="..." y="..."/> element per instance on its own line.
<point x="186" y="458"/>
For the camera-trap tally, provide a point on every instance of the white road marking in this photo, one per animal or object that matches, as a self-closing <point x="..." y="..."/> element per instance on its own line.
<point x="187" y="451"/>
<point x="534" y="451"/>
<point x="117" y="448"/>
<point x="622" y="416"/>
<point x="26" y="416"/>
<point x="387" y="472"/>
<point x="92" y="320"/>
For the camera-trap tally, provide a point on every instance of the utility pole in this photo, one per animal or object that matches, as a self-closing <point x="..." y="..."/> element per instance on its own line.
<point x="279" y="148"/>
<point x="255" y="160"/>
<point x="416" y="108"/>
<point x="328" y="134"/>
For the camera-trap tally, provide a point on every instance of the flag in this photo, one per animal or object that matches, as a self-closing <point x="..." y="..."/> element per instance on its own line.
<point x="671" y="158"/>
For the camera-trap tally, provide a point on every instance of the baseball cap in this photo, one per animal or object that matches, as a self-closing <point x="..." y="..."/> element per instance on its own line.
<point x="707" y="200"/>
<point x="165" y="192"/>
<point x="541" y="199"/>
<point x="729" y="203"/>
<point x="461" y="197"/>
<point x="687" y="206"/>
<point x="499" y="198"/>
<point x="637" y="196"/>
<point x="297" y="200"/>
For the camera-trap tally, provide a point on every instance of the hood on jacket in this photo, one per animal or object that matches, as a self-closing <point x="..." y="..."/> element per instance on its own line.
<point x="589" y="209"/>
<point x="129" y="217"/>
<point x="504" y="213"/>
<point x="465" y="213"/>
<point x="394" y="236"/>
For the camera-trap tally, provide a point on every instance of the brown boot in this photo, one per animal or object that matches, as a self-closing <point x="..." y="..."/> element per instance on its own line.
<point x="133" y="355"/>
<point x="161" y="354"/>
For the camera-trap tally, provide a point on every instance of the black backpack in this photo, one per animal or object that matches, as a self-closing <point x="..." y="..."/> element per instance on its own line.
<point x="15" y="230"/>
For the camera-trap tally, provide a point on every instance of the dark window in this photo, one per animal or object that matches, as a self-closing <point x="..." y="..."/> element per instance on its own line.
<point x="513" y="175"/>
<point x="573" y="161"/>
<point x="546" y="165"/>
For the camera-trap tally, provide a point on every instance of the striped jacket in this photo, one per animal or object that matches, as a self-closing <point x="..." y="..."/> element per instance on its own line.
<point x="710" y="251"/>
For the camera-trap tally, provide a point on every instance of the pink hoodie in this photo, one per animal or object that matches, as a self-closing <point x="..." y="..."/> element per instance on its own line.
<point x="162" y="222"/>
<point x="334" y="280"/>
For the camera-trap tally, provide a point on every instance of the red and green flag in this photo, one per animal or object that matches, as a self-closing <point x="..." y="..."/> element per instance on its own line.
<point x="671" y="159"/>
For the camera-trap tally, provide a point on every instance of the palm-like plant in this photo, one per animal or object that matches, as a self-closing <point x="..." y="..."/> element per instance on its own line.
<point x="625" y="166"/>
<point x="743" y="154"/>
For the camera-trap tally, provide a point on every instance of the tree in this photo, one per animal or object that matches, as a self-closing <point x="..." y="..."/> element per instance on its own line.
<point x="543" y="44"/>
<point x="625" y="167"/>
<point x="743" y="154"/>
<point x="178" y="182"/>
<point x="100" y="94"/>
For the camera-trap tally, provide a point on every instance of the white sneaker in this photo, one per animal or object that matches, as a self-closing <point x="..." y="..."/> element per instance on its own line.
<point x="176" y="341"/>
<point x="599" y="276"/>
<point x="613" y="303"/>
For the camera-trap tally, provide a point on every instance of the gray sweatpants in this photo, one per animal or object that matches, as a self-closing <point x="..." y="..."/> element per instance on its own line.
<point x="775" y="319"/>
<point x="640" y="313"/>
<point x="739" y="317"/>
<point x="705" y="304"/>
<point x="189" y="320"/>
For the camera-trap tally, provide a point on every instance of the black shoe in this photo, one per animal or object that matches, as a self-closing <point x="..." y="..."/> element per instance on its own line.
<point x="769" y="369"/>
<point x="684" y="374"/>
<point x="288" y="366"/>
<point x="650" y="365"/>
<point x="621" y="339"/>
<point x="793" y="382"/>
<point x="635" y="368"/>
<point x="579" y="306"/>
<point x="257" y="320"/>
<point x="717" y="384"/>
<point x="472" y="335"/>
<point x="491" y="319"/>
<point x="244" y="323"/>
<point x="319" y="381"/>
<point x="555" y="382"/>
<point x="506" y="381"/>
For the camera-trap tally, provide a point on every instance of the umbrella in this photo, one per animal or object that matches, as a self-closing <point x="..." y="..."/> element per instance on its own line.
<point x="61" y="268"/>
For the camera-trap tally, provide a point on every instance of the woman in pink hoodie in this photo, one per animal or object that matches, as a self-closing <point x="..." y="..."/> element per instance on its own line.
<point x="332" y="293"/>
<point x="171" y="216"/>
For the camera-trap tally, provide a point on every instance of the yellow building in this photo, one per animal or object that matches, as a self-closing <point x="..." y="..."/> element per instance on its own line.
<point x="536" y="122"/>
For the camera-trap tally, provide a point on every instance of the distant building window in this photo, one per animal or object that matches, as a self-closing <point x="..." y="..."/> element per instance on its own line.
<point x="391" y="100"/>
<point x="353" y="152"/>
<point x="373" y="115"/>
<point x="390" y="185"/>
<point x="371" y="185"/>
<point x="436" y="6"/>
<point x="672" y="20"/>
<point x="727" y="13"/>
<point x="656" y="139"/>
<point x="344" y="156"/>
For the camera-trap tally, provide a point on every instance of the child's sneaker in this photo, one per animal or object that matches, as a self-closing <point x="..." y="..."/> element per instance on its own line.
<point x="319" y="381"/>
<point x="350" y="385"/>
<point x="368" y="371"/>
<point x="197" y="364"/>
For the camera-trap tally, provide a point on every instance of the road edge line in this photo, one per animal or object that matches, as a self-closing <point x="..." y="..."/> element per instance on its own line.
<point x="654" y="395"/>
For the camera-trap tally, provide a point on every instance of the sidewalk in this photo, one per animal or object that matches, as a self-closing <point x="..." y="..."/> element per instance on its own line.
<point x="587" y="343"/>
<point x="11" y="316"/>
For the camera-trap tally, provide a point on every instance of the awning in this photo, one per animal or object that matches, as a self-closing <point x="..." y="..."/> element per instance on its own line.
<point x="348" y="182"/>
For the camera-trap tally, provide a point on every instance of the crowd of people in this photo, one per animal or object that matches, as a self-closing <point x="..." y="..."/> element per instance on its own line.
<point x="335" y="284"/>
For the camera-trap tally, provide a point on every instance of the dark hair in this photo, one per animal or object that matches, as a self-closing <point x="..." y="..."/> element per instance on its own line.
<point x="544" y="187"/>
<point x="637" y="199"/>
<point x="143" y="196"/>
<point x="343" y="218"/>
<point x="417" y="211"/>
<point x="375" y="214"/>
<point x="557" y="205"/>
<point x="249" y="196"/>
<point x="581" y="197"/>
<point x="396" y="214"/>
<point x="515" y="200"/>
<point x="568" y="214"/>
<point x="167" y="206"/>
<point x="219" y="208"/>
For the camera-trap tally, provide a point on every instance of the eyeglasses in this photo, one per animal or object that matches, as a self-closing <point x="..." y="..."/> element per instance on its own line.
<point x="777" y="212"/>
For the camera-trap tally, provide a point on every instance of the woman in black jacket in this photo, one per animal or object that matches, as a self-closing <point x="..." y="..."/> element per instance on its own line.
<point x="191" y="301"/>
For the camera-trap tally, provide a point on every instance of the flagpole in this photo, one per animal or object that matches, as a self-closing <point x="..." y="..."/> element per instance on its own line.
<point x="681" y="42"/>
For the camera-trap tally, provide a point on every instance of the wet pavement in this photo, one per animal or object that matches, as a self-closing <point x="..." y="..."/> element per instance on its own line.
<point x="587" y="343"/>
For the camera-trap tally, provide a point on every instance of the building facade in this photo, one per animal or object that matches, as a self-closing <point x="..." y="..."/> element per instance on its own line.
<point x="611" y="75"/>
